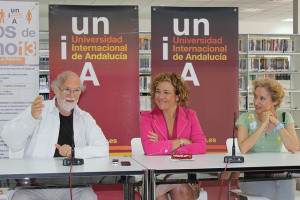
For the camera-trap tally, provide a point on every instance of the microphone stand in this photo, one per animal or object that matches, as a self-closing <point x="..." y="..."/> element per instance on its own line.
<point x="233" y="158"/>
<point x="73" y="160"/>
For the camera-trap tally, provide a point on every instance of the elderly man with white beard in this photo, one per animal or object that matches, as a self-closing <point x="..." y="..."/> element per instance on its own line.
<point x="46" y="130"/>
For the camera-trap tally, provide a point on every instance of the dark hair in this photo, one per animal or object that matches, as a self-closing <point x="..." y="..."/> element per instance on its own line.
<point x="180" y="87"/>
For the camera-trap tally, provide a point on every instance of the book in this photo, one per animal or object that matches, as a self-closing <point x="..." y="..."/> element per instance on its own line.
<point x="282" y="45"/>
<point x="145" y="42"/>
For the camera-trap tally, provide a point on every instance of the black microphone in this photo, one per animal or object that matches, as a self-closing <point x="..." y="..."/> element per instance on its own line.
<point x="233" y="158"/>
<point x="73" y="160"/>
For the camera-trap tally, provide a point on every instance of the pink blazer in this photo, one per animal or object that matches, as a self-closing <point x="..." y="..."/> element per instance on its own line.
<point x="188" y="127"/>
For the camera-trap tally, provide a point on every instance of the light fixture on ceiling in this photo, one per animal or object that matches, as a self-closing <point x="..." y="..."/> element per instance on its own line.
<point x="288" y="20"/>
<point x="280" y="0"/>
<point x="251" y="10"/>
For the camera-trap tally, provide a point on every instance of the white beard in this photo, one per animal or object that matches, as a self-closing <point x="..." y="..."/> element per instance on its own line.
<point x="64" y="105"/>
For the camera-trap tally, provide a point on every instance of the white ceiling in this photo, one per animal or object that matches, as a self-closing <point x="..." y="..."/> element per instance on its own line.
<point x="250" y="11"/>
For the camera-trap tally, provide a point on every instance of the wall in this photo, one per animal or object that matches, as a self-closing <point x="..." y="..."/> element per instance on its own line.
<point x="266" y="28"/>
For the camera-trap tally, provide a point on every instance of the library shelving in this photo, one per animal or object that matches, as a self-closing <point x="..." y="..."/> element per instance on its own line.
<point x="44" y="81"/>
<point x="145" y="71"/>
<point x="274" y="56"/>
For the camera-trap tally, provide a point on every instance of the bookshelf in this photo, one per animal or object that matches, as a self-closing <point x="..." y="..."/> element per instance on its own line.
<point x="44" y="81"/>
<point x="273" y="56"/>
<point x="145" y="71"/>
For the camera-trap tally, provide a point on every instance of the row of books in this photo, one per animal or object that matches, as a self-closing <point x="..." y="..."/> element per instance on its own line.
<point x="256" y="64"/>
<point x="242" y="83"/>
<point x="46" y="96"/>
<point x="145" y="103"/>
<point x="145" y="63"/>
<point x="243" y="102"/>
<point x="44" y="83"/>
<point x="44" y="44"/>
<point x="283" y="79"/>
<point x="271" y="45"/>
<point x="44" y="63"/>
<point x="145" y="82"/>
<point x="145" y="42"/>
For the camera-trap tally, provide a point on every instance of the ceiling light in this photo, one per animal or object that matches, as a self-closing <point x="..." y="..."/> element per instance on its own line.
<point x="288" y="20"/>
<point x="251" y="10"/>
<point x="280" y="0"/>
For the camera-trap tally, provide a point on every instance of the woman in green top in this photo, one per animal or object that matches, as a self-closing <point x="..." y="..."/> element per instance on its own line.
<point x="264" y="130"/>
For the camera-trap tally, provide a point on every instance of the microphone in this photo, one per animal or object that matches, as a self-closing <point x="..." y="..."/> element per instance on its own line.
<point x="73" y="160"/>
<point x="233" y="158"/>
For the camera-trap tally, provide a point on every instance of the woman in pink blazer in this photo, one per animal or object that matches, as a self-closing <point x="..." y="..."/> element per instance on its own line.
<point x="171" y="129"/>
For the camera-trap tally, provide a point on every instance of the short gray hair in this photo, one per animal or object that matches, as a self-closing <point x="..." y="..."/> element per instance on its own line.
<point x="64" y="76"/>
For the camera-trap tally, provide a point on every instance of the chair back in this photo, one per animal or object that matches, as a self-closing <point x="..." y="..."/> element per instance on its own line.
<point x="229" y="143"/>
<point x="283" y="149"/>
<point x="137" y="147"/>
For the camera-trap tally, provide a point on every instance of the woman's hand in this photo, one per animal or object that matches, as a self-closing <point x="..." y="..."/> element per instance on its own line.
<point x="153" y="136"/>
<point x="186" y="141"/>
<point x="265" y="117"/>
<point x="274" y="121"/>
<point x="268" y="117"/>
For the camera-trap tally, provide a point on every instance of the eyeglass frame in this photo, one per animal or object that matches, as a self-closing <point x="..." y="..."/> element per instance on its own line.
<point x="68" y="91"/>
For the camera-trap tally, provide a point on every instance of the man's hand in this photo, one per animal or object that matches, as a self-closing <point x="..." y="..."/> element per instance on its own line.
<point x="64" y="150"/>
<point x="37" y="106"/>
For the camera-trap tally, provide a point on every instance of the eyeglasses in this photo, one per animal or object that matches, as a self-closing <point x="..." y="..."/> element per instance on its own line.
<point x="69" y="91"/>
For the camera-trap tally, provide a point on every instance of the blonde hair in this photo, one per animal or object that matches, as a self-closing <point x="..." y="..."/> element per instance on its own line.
<point x="180" y="87"/>
<point x="275" y="89"/>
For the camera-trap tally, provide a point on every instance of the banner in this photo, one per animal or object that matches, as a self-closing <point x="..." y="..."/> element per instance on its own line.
<point x="100" y="43"/>
<point x="19" y="59"/>
<point x="201" y="44"/>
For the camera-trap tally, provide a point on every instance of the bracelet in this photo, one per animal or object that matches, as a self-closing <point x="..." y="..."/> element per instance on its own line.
<point x="181" y="142"/>
<point x="279" y="126"/>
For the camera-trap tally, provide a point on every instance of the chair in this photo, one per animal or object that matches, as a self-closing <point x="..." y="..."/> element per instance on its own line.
<point x="229" y="143"/>
<point x="137" y="149"/>
<point x="17" y="154"/>
<point x="8" y="193"/>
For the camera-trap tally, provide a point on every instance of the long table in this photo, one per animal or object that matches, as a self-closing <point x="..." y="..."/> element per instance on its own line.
<point x="144" y="170"/>
<point x="212" y="163"/>
<point x="52" y="173"/>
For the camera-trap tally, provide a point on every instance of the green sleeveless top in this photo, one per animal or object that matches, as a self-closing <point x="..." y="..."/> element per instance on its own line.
<point x="268" y="141"/>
